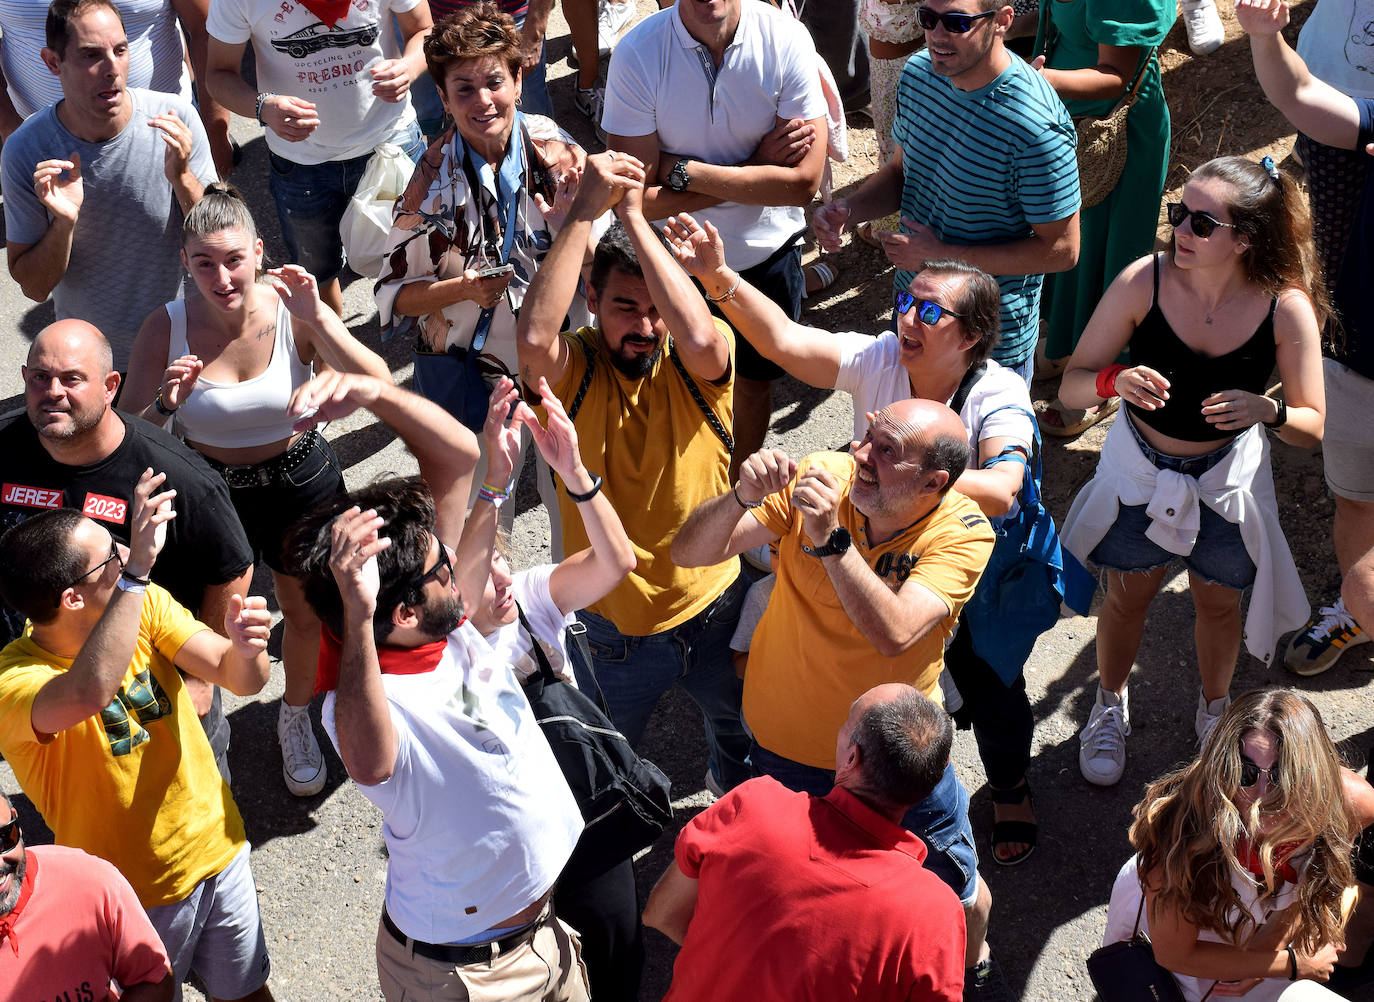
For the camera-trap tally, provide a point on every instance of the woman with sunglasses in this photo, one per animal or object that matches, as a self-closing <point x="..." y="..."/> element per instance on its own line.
<point x="1185" y="471"/>
<point x="1092" y="54"/>
<point x="1243" y="857"/>
<point x="515" y="611"/>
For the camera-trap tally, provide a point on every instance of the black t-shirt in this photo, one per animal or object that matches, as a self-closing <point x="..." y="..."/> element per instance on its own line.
<point x="205" y="546"/>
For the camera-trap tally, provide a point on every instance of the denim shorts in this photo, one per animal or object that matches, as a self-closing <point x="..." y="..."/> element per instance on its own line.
<point x="268" y="510"/>
<point x="311" y="199"/>
<point x="1219" y="556"/>
<point x="941" y="820"/>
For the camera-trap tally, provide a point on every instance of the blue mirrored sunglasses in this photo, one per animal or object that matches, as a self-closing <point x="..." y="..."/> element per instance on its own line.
<point x="927" y="312"/>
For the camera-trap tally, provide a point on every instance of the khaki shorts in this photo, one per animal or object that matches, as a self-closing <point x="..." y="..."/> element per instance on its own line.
<point x="546" y="968"/>
<point x="1348" y="442"/>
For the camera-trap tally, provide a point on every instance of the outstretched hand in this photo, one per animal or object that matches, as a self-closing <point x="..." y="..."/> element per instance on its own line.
<point x="1262" y="17"/>
<point x="699" y="250"/>
<point x="506" y="414"/>
<point x="148" y="523"/>
<point x="354" y="543"/>
<point x="298" y="290"/>
<point x="556" y="442"/>
<point x="605" y="180"/>
<point x="331" y="395"/>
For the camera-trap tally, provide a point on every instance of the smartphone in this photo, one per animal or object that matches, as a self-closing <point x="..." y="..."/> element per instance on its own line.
<point x="495" y="271"/>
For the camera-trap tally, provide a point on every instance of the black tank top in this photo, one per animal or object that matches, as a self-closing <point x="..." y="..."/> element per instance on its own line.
<point x="1193" y="377"/>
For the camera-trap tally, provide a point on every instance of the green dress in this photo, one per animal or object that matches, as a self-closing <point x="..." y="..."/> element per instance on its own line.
<point x="1122" y="227"/>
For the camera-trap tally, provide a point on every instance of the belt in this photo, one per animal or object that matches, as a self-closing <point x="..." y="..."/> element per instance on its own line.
<point x="269" y="471"/>
<point x="472" y="953"/>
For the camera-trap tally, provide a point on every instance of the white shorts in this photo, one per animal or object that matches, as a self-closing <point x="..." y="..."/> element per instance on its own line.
<point x="1348" y="441"/>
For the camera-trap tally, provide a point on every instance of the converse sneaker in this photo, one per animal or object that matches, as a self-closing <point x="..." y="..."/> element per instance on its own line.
<point x="1200" y="17"/>
<point x="611" y="19"/>
<point x="1208" y="714"/>
<point x="302" y="763"/>
<point x="1320" y="644"/>
<point x="1102" y="744"/>
<point x="590" y="102"/>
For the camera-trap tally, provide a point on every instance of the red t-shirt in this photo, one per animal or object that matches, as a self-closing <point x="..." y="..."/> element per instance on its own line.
<point x="80" y="927"/>
<point x="802" y="897"/>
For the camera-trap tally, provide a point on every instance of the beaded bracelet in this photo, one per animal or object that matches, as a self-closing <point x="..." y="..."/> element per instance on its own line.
<point x="262" y="99"/>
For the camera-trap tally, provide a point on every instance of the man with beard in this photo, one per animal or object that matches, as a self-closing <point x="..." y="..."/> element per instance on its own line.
<point x="652" y="413"/>
<point x="984" y="170"/>
<point x="433" y="726"/>
<point x="876" y="557"/>
<point x="70" y="924"/>
<point x="74" y="450"/>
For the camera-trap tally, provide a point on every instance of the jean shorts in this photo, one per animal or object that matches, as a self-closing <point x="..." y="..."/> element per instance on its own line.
<point x="311" y="199"/>
<point x="941" y="820"/>
<point x="1219" y="556"/>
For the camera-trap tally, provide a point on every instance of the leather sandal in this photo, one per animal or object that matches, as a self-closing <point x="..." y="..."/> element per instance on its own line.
<point x="1004" y="832"/>
<point x="817" y="277"/>
<point x="1059" y="421"/>
<point x="1046" y="367"/>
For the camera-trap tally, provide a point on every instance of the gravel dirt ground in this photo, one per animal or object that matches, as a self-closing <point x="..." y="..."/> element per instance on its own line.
<point x="320" y="862"/>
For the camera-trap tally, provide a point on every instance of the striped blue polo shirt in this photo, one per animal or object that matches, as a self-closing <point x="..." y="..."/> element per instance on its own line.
<point x="981" y="166"/>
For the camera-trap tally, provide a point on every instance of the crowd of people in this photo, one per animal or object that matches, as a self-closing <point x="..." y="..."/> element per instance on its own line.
<point x="624" y="314"/>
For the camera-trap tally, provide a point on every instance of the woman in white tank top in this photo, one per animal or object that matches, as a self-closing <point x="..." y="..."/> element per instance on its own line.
<point x="222" y="366"/>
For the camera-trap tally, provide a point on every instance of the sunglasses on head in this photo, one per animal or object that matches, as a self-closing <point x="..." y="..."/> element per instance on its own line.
<point x="10" y="834"/>
<point x="955" y="24"/>
<point x="1203" y="223"/>
<point x="1250" y="773"/>
<point x="927" y="312"/>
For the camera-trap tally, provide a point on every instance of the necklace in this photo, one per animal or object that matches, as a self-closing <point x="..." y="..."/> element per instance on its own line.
<point x="1218" y="306"/>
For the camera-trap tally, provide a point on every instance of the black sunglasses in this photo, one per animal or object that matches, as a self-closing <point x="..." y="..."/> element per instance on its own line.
<point x="442" y="563"/>
<point x="955" y="24"/>
<point x="10" y="834"/>
<point x="1250" y="773"/>
<point x="1203" y="223"/>
<point x="929" y="313"/>
<point x="114" y="555"/>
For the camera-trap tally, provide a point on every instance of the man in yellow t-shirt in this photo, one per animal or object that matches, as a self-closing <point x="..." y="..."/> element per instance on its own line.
<point x="876" y="556"/>
<point x="103" y="738"/>
<point x="652" y="414"/>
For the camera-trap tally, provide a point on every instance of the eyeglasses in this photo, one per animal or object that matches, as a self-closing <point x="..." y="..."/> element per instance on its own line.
<point x="927" y="312"/>
<point x="10" y="834"/>
<point x="441" y="564"/>
<point x="1250" y="773"/>
<point x="1203" y="223"/>
<point x="114" y="555"/>
<point x="955" y="24"/>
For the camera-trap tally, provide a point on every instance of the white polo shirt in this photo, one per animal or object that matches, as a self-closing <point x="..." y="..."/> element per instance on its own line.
<point x="663" y="80"/>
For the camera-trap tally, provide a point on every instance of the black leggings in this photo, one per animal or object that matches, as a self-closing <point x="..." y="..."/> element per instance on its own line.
<point x="1000" y="714"/>
<point x="605" y="912"/>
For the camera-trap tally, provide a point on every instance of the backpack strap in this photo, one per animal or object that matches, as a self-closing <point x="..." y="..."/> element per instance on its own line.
<point x="586" y="379"/>
<point x="711" y="418"/>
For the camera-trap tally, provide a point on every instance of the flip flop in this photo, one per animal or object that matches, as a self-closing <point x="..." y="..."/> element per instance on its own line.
<point x="1004" y="832"/>
<point x="1059" y="421"/>
<point x="819" y="277"/>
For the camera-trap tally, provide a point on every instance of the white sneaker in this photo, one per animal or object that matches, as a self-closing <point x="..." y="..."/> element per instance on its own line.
<point x="302" y="763"/>
<point x="1205" y="33"/>
<point x="1208" y="714"/>
<point x="590" y="102"/>
<point x="1102" y="744"/>
<point x="611" y="19"/>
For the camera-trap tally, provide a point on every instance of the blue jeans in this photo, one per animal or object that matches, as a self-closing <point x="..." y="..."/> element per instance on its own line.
<point x="311" y="199"/>
<point x="941" y="820"/>
<point x="634" y="672"/>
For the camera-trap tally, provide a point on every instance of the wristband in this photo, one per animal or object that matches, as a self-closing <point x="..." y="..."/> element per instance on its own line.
<point x="727" y="296"/>
<point x="582" y="498"/>
<point x="131" y="585"/>
<point x="746" y="505"/>
<point x="130" y="576"/>
<point x="1292" y="963"/>
<point x="160" y="407"/>
<point x="1281" y="418"/>
<point x="262" y="99"/>
<point x="1106" y="380"/>
<point x="494" y="495"/>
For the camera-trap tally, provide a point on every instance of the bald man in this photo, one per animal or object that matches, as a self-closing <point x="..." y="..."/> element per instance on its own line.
<point x="876" y="556"/>
<point x="74" y="450"/>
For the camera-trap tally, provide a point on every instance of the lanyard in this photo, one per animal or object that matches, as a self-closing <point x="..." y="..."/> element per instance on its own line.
<point x="501" y="213"/>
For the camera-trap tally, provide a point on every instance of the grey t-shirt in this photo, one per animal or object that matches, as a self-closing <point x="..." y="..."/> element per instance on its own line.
<point x="125" y="259"/>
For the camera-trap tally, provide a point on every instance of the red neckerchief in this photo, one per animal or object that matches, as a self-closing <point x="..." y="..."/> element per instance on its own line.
<point x="393" y="660"/>
<point x="1250" y="859"/>
<point x="25" y="891"/>
<point x="328" y="11"/>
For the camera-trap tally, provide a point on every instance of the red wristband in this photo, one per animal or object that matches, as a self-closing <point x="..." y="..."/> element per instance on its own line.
<point x="1106" y="380"/>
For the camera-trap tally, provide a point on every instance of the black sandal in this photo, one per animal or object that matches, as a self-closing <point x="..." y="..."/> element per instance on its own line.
<point x="1013" y="831"/>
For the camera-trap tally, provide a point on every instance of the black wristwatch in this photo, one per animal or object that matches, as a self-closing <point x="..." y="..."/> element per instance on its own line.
<point x="839" y="542"/>
<point x="1281" y="418"/>
<point x="677" y="177"/>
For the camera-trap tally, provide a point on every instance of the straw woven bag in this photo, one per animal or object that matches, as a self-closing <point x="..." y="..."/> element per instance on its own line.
<point x="1102" y="145"/>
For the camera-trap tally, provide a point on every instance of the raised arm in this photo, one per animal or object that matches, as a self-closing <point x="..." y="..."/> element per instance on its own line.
<point x="543" y="354"/>
<point x="1311" y="105"/>
<point x="726" y="525"/>
<point x="38" y="267"/>
<point x="806" y="353"/>
<point x="236" y="660"/>
<point x="318" y="329"/>
<point x="99" y="668"/>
